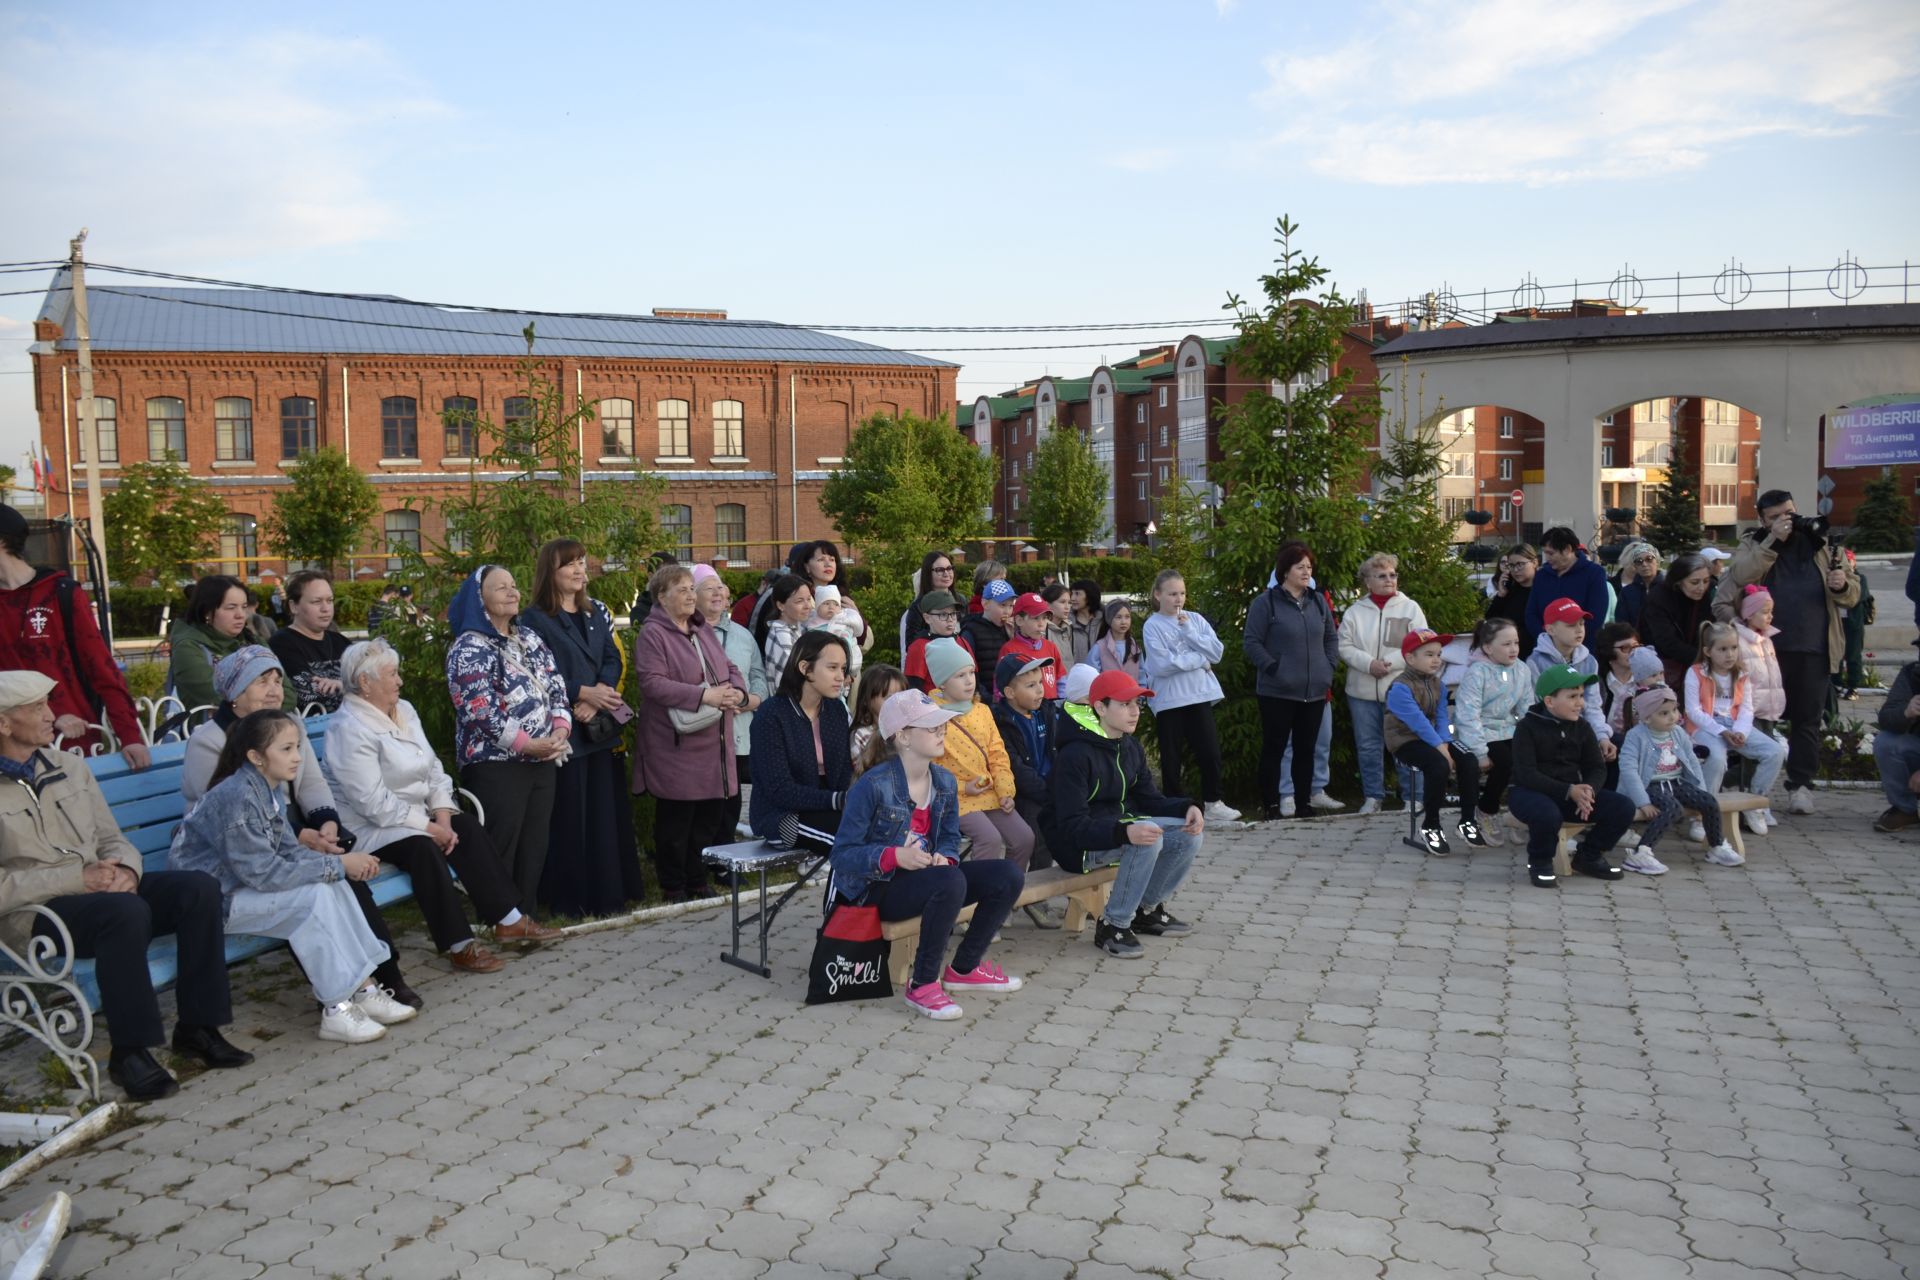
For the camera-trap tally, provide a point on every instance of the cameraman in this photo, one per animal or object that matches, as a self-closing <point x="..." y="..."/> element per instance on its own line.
<point x="1811" y="585"/>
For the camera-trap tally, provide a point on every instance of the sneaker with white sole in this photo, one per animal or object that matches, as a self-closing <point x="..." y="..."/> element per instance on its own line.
<point x="986" y="976"/>
<point x="1435" y="841"/>
<point x="1325" y="803"/>
<point x="1697" y="831"/>
<point x="1643" y="861"/>
<point x="1725" y="855"/>
<point x="379" y="1004"/>
<point x="1800" y="800"/>
<point x="1287" y="808"/>
<point x="1470" y="832"/>
<point x="931" y="1000"/>
<point x="348" y="1023"/>
<point x="1767" y="813"/>
<point x="1494" y="830"/>
<point x="1369" y="807"/>
<point x="1756" y="820"/>
<point x="1220" y="811"/>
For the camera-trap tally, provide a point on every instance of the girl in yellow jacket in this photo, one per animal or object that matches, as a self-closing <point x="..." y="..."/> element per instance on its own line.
<point x="978" y="760"/>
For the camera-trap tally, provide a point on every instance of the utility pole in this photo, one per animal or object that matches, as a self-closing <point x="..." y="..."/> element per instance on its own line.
<point x="89" y="433"/>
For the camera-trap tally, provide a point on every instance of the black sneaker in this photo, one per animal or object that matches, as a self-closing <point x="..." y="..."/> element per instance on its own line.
<point x="1471" y="833"/>
<point x="1117" y="942"/>
<point x="1597" y="867"/>
<point x="1271" y="813"/>
<point x="1436" y="842"/>
<point x="1895" y="820"/>
<point x="1159" y="923"/>
<point x="1543" y="877"/>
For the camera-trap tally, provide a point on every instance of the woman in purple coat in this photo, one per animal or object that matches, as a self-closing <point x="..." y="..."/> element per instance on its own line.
<point x="682" y="666"/>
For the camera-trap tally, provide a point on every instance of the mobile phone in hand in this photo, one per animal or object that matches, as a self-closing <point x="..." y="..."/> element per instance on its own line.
<point x="621" y="713"/>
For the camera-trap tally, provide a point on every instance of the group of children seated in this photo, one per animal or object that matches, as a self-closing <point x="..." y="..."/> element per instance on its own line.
<point x="1567" y="742"/>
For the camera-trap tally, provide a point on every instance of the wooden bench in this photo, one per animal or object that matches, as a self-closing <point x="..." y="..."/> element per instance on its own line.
<point x="1732" y="805"/>
<point x="1085" y="891"/>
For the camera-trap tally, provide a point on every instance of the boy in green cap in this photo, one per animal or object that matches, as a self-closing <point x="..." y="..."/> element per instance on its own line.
<point x="1558" y="777"/>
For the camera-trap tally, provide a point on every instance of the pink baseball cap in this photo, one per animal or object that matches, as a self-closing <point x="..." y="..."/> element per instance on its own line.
<point x="910" y="708"/>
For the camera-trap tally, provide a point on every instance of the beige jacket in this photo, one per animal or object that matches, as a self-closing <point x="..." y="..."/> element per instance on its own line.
<point x="49" y="832"/>
<point x="1753" y="560"/>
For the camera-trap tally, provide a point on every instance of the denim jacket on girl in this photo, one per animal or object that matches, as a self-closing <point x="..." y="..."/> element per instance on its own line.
<point x="878" y="817"/>
<point x="238" y="834"/>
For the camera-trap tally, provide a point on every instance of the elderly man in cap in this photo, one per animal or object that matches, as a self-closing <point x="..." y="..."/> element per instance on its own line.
<point x="60" y="849"/>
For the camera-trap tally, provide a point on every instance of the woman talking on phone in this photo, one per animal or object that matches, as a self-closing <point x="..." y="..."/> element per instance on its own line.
<point x="1512" y="581"/>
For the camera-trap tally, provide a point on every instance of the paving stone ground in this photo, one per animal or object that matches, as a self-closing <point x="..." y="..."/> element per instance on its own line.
<point x="1362" y="1063"/>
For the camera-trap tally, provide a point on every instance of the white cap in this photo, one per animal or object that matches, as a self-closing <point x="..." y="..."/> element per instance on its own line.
<point x="20" y="688"/>
<point x="1079" y="683"/>
<point x="1714" y="553"/>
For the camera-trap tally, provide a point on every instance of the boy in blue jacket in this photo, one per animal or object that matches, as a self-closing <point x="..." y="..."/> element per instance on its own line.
<point x="1419" y="732"/>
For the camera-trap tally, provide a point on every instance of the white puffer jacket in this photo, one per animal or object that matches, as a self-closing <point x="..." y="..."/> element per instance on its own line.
<point x="1368" y="632"/>
<point x="386" y="779"/>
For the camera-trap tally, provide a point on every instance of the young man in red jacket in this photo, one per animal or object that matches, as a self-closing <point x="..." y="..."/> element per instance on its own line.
<point x="49" y="627"/>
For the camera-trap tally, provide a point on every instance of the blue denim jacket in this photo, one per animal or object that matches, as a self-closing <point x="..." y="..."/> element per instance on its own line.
<point x="238" y="834"/>
<point x="879" y="816"/>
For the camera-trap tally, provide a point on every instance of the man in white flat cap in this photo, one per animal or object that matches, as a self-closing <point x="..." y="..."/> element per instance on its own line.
<point x="61" y="850"/>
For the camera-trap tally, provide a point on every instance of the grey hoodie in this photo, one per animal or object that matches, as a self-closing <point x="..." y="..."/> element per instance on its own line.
<point x="1545" y="655"/>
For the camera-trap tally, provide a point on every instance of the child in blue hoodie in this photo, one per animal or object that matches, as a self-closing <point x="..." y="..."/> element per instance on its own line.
<point x="1419" y="731"/>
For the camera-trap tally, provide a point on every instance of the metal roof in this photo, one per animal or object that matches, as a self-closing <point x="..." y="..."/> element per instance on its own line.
<point x="1830" y="321"/>
<point x="140" y="317"/>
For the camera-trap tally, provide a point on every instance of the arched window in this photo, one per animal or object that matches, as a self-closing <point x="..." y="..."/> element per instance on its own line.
<point x="106" y="421"/>
<point x="730" y="530"/>
<point x="676" y="523"/>
<point x="616" y="427"/>
<point x="233" y="429"/>
<point x="457" y="416"/>
<point x="403" y="534"/>
<point x="400" y="430"/>
<point x="166" y="428"/>
<point x="299" y="427"/>
<point x="674" y="440"/>
<point x="729" y="429"/>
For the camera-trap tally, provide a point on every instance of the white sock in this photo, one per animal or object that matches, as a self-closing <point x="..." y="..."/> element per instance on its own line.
<point x="512" y="917"/>
<point x="458" y="947"/>
<point x="342" y="1007"/>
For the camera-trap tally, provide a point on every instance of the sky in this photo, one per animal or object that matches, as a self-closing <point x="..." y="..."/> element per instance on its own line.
<point x="980" y="164"/>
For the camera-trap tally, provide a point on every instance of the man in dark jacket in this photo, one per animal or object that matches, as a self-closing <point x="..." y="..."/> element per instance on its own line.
<point x="1570" y="573"/>
<point x="1105" y="809"/>
<point x="1896" y="749"/>
<point x="1559" y="776"/>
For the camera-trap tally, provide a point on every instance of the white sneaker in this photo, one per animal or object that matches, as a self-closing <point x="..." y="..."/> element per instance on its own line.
<point x="1697" y="831"/>
<point x="1767" y="813"/>
<point x="1643" y="861"/>
<point x="1287" y="809"/>
<point x="1725" y="855"/>
<point x="378" y="1003"/>
<point x="1756" y="820"/>
<point x="1629" y="839"/>
<point x="1326" y="803"/>
<point x="349" y="1024"/>
<point x="1494" y="830"/>
<point x="1800" y="800"/>
<point x="1369" y="807"/>
<point x="1219" y="811"/>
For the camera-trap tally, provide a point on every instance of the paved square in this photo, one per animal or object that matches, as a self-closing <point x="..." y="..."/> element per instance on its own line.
<point x="1362" y="1063"/>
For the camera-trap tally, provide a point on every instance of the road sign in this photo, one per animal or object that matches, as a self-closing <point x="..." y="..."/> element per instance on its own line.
<point x="1826" y="485"/>
<point x="1518" y="497"/>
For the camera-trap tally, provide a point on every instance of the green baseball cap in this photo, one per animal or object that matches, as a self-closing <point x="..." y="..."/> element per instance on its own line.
<point x="1554" y="679"/>
<point x="937" y="602"/>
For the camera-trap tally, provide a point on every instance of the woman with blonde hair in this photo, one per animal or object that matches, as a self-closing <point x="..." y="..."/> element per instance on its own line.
<point x="1370" y="635"/>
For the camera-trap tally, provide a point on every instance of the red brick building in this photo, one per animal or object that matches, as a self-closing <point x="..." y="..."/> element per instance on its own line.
<point x="744" y="420"/>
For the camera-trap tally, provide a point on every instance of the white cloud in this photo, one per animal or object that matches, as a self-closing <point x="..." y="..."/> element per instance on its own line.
<point x="216" y="150"/>
<point x="1519" y="91"/>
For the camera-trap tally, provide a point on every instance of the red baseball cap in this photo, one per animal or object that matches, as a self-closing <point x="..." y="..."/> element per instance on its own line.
<point x="1031" y="605"/>
<point x="1117" y="685"/>
<point x="1419" y="637"/>
<point x="1565" y="610"/>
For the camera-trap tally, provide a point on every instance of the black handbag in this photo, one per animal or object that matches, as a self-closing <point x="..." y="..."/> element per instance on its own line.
<point x="597" y="730"/>
<point x="850" y="958"/>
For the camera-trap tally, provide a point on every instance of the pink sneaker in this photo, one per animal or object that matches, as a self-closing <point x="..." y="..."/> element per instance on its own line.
<point x="986" y="977"/>
<point x="932" y="1001"/>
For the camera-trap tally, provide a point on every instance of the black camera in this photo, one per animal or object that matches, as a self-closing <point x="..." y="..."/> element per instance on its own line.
<point x="1812" y="526"/>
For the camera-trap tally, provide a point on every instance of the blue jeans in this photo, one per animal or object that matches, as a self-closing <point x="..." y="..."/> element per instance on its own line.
<point x="1149" y="873"/>
<point x="1898" y="755"/>
<point x="1761" y="748"/>
<point x="1321" y="746"/>
<point x="1370" y="744"/>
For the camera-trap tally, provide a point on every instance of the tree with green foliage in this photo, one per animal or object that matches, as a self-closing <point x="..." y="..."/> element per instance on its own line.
<point x="161" y="522"/>
<point x="1672" y="520"/>
<point x="326" y="514"/>
<point x="7" y="476"/>
<point x="1409" y="520"/>
<point x="1067" y="493"/>
<point x="1884" y="519"/>
<point x="909" y="485"/>
<point x="1181" y="520"/>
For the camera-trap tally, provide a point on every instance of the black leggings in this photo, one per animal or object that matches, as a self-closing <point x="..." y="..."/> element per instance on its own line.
<point x="1434" y="767"/>
<point x="936" y="895"/>
<point x="1495" y="785"/>
<point x="1180" y="728"/>
<point x="1283" y="720"/>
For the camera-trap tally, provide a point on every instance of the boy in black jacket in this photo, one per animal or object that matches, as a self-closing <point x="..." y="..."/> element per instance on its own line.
<point x="1105" y="809"/>
<point x="1029" y="726"/>
<point x="1558" y="776"/>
